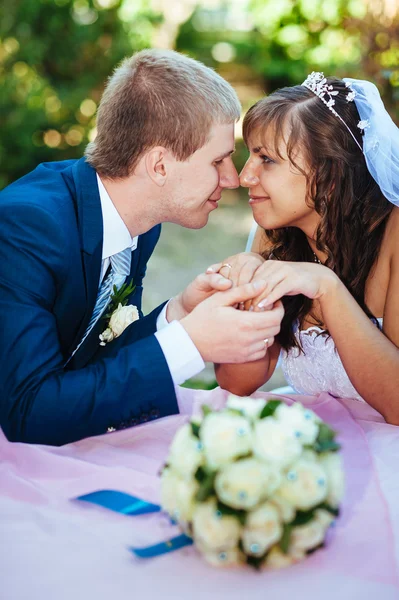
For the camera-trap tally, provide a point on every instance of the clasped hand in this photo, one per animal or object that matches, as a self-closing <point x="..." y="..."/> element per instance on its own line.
<point x="281" y="278"/>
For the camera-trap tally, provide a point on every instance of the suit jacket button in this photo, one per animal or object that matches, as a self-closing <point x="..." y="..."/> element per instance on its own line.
<point x="154" y="413"/>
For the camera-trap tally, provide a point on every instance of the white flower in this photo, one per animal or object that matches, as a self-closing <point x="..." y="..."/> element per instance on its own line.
<point x="304" y="485"/>
<point x="301" y="421"/>
<point x="324" y="517"/>
<point x="213" y="530"/>
<point x="185" y="453"/>
<point x="177" y="495"/>
<point x="251" y="407"/>
<point x="306" y="537"/>
<point x="285" y="509"/>
<point x="276" y="559"/>
<point x="351" y="96"/>
<point x="332" y="465"/>
<point x="122" y="317"/>
<point x="262" y="530"/>
<point x="274" y="443"/>
<point x="363" y="124"/>
<point x="106" y="336"/>
<point x="243" y="484"/>
<point x="225" y="437"/>
<point x="225" y="558"/>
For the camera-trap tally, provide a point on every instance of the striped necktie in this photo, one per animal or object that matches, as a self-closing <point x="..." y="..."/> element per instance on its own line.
<point x="120" y="269"/>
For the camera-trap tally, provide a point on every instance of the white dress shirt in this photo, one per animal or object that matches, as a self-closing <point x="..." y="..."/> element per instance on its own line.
<point x="183" y="359"/>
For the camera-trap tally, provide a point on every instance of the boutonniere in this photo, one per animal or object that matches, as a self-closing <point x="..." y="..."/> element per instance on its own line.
<point x="119" y="314"/>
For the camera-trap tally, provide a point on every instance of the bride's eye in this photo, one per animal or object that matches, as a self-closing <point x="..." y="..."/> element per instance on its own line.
<point x="219" y="162"/>
<point x="266" y="159"/>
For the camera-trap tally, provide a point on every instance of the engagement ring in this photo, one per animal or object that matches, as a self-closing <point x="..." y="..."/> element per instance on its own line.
<point x="225" y="265"/>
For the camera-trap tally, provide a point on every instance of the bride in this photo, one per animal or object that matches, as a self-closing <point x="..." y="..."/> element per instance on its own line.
<point x="323" y="179"/>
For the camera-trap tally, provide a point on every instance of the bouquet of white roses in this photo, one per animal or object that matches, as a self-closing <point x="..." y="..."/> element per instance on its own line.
<point x="257" y="482"/>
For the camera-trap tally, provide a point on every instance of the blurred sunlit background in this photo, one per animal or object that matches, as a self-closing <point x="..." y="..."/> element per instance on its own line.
<point x="55" y="56"/>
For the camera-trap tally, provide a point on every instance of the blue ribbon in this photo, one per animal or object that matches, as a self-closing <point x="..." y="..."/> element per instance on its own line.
<point x="131" y="505"/>
<point x="171" y="545"/>
<point x="120" y="502"/>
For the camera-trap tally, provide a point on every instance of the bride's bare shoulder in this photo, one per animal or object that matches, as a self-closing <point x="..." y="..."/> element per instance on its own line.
<point x="392" y="234"/>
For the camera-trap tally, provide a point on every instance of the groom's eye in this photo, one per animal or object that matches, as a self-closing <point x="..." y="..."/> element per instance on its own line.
<point x="219" y="162"/>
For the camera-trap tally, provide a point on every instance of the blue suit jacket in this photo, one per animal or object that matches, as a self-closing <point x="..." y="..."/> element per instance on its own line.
<point x="51" y="237"/>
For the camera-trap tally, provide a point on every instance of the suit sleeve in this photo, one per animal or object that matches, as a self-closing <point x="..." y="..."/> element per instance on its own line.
<point x="40" y="402"/>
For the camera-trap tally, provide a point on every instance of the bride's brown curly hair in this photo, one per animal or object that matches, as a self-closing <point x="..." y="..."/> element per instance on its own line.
<point x="353" y="212"/>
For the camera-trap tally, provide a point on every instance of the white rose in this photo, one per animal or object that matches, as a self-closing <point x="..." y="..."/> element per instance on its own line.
<point x="308" y="536"/>
<point x="106" y="336"/>
<point x="185" y="453"/>
<point x="177" y="495"/>
<point x="225" y="558"/>
<point x="304" y="485"/>
<point x="251" y="407"/>
<point x="212" y="529"/>
<point x="243" y="484"/>
<point x="301" y="421"/>
<point x="332" y="465"/>
<point x="324" y="517"/>
<point x="285" y="509"/>
<point x="274" y="444"/>
<point x="122" y="317"/>
<point x="225" y="437"/>
<point x="276" y="559"/>
<point x="262" y="530"/>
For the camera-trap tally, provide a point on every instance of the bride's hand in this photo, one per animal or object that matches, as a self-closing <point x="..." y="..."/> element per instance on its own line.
<point x="239" y="268"/>
<point x="292" y="278"/>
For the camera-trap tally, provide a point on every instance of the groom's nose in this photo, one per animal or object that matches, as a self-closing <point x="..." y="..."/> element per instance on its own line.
<point x="229" y="176"/>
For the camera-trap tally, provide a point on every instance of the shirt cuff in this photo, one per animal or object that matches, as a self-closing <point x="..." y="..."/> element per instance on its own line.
<point x="161" y="319"/>
<point x="183" y="359"/>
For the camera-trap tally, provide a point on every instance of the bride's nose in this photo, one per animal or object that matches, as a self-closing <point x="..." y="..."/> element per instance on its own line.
<point x="248" y="178"/>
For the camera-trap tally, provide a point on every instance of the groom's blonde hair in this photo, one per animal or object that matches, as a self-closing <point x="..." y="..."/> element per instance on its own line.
<point x="158" y="98"/>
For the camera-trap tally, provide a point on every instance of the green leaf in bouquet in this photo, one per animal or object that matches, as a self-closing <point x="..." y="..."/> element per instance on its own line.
<point x="325" y="441"/>
<point x="329" y="508"/>
<point x="284" y="543"/>
<point x="256" y="561"/>
<point x="270" y="408"/>
<point x="195" y="427"/>
<point x="228" y="511"/>
<point x="207" y="486"/>
<point x="302" y="517"/>
<point x="200" y="474"/>
<point x="206" y="410"/>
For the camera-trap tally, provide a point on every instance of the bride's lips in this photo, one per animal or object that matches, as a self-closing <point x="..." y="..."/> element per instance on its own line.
<point x="257" y="199"/>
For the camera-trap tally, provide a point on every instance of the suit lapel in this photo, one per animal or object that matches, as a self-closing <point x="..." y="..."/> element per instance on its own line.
<point x="90" y="225"/>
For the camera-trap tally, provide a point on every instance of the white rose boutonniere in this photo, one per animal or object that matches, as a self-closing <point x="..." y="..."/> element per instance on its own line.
<point x="120" y="314"/>
<point x="121" y="318"/>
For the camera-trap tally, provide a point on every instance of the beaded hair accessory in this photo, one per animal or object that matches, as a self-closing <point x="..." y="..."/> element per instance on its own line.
<point x="317" y="83"/>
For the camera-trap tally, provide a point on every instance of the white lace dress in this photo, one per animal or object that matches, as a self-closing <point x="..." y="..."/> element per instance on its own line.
<point x="319" y="368"/>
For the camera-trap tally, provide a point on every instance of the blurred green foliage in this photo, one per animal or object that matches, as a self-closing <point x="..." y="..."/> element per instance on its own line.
<point x="55" y="56"/>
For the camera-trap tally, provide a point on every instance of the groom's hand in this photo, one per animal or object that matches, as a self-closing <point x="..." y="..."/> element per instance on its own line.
<point x="225" y="335"/>
<point x="203" y="286"/>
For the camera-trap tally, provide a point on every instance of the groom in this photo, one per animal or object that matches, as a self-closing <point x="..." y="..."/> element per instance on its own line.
<point x="71" y="230"/>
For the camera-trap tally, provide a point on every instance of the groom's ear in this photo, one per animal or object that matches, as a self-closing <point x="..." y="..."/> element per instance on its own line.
<point x="157" y="164"/>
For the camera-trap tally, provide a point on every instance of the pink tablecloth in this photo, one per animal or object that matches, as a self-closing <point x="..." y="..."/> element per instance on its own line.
<point x="55" y="549"/>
